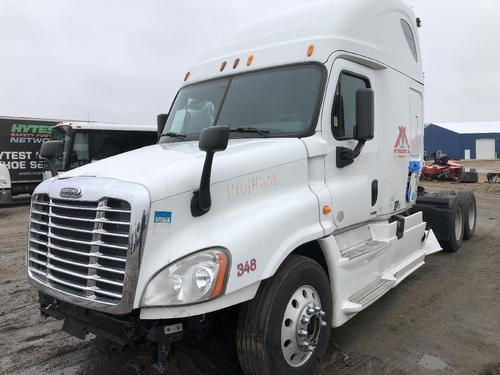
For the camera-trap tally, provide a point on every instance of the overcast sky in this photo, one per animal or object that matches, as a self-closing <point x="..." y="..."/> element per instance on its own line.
<point x="123" y="61"/>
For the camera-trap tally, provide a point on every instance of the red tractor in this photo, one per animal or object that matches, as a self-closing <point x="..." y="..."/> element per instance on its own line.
<point x="442" y="169"/>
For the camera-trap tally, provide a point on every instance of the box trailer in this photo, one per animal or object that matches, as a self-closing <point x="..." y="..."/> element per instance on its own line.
<point x="20" y="142"/>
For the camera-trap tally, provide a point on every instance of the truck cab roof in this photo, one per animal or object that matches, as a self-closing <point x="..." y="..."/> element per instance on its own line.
<point x="379" y="32"/>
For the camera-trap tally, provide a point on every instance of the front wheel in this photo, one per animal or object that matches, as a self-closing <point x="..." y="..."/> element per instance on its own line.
<point x="285" y="329"/>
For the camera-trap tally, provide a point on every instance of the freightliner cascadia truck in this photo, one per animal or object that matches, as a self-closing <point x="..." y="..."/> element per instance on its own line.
<point x="283" y="190"/>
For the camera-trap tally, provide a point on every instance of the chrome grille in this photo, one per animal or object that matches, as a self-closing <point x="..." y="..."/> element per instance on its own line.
<point x="80" y="247"/>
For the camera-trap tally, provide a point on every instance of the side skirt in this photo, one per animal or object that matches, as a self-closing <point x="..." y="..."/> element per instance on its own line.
<point x="367" y="262"/>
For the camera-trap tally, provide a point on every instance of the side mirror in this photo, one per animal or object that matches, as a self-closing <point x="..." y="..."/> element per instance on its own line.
<point x="212" y="139"/>
<point x="50" y="150"/>
<point x="161" y="121"/>
<point x="365" y="114"/>
<point x="365" y="125"/>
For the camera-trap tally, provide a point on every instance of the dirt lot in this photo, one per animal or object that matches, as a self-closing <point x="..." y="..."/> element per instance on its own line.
<point x="482" y="167"/>
<point x="443" y="319"/>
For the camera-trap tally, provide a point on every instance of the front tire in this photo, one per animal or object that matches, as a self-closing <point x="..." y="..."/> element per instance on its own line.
<point x="285" y="329"/>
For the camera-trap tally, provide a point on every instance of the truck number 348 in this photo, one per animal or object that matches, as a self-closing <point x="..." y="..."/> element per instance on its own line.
<point x="247" y="267"/>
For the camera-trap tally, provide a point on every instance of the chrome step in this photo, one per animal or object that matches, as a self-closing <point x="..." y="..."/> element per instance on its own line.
<point x="366" y="296"/>
<point x="372" y="292"/>
<point x="363" y="248"/>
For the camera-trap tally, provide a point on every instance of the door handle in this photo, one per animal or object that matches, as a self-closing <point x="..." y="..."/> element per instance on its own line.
<point x="374" y="192"/>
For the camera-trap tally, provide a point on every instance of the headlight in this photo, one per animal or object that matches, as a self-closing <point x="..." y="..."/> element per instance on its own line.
<point x="196" y="278"/>
<point x="3" y="183"/>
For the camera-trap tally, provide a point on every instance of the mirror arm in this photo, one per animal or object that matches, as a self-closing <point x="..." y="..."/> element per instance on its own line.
<point x="346" y="156"/>
<point x="201" y="200"/>
<point x="357" y="150"/>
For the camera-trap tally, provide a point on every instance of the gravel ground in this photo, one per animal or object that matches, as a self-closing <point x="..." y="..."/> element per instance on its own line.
<point x="443" y="319"/>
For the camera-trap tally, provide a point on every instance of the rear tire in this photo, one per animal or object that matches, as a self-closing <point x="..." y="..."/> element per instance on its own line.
<point x="271" y="335"/>
<point x="455" y="226"/>
<point x="470" y="213"/>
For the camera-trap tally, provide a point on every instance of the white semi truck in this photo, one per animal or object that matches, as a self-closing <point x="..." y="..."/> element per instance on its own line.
<point x="78" y="143"/>
<point x="283" y="189"/>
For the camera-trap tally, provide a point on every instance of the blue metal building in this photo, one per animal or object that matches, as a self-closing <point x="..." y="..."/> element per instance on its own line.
<point x="471" y="140"/>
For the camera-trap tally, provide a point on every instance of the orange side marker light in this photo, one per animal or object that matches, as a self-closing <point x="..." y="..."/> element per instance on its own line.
<point x="326" y="209"/>
<point x="219" y="282"/>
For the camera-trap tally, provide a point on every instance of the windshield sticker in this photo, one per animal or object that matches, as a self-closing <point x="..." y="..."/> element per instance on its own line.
<point x="402" y="146"/>
<point x="163" y="217"/>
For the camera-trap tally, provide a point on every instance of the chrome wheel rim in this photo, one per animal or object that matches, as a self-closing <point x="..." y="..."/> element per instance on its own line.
<point x="301" y="326"/>
<point x="459" y="222"/>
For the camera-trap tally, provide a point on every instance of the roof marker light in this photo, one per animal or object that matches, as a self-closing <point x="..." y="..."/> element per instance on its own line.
<point x="250" y="60"/>
<point x="236" y="62"/>
<point x="223" y="66"/>
<point x="186" y="77"/>
<point x="310" y="50"/>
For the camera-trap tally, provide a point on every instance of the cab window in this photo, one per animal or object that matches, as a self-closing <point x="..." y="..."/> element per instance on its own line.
<point x="344" y="106"/>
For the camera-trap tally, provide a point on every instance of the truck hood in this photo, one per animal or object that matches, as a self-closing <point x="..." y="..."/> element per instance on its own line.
<point x="175" y="168"/>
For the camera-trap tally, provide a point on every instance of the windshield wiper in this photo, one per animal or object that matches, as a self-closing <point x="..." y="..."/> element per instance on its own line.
<point x="174" y="135"/>
<point x="265" y="133"/>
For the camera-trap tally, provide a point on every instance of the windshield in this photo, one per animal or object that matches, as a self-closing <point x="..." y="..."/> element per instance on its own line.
<point x="279" y="102"/>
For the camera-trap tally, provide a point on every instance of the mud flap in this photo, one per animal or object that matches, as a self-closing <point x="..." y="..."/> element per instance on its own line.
<point x="431" y="243"/>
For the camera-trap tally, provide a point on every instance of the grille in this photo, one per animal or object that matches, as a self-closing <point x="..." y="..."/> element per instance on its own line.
<point x="80" y="247"/>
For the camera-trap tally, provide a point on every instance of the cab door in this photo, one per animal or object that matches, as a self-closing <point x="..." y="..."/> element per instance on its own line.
<point x="354" y="188"/>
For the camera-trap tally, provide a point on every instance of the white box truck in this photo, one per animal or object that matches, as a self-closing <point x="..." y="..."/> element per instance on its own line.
<point x="283" y="189"/>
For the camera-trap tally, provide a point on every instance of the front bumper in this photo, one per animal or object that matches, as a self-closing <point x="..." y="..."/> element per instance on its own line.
<point x="122" y="330"/>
